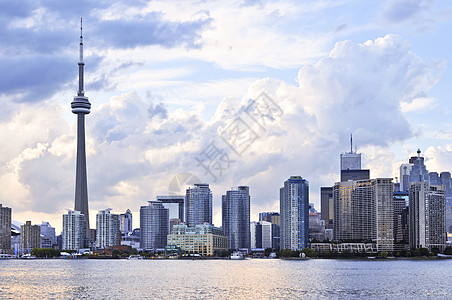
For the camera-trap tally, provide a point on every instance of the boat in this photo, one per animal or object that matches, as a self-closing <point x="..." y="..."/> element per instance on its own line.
<point x="135" y="257"/>
<point x="236" y="255"/>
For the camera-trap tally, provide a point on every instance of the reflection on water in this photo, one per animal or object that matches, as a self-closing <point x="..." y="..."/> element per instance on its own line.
<point x="247" y="279"/>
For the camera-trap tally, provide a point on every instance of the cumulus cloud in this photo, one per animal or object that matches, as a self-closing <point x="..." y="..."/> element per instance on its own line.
<point x="136" y="145"/>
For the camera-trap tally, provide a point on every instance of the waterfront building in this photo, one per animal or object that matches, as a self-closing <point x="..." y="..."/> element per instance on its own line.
<point x="30" y="237"/>
<point x="294" y="206"/>
<point x="427" y="216"/>
<point x="74" y="231"/>
<point x="236" y="217"/>
<point x="5" y="230"/>
<point x="126" y="221"/>
<point x="344" y="247"/>
<point x="198" y="205"/>
<point x="363" y="211"/>
<point x="326" y="206"/>
<point x="175" y="204"/>
<point x="203" y="240"/>
<point x="275" y="219"/>
<point x="81" y="107"/>
<point x="154" y="226"/>
<point x="48" y="237"/>
<point x="108" y="229"/>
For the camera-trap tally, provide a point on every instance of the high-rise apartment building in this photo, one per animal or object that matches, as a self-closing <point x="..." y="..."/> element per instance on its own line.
<point x="427" y="216"/>
<point x="198" y="205"/>
<point x="126" y="221"/>
<point x="236" y="217"/>
<point x="108" y="229"/>
<point x="48" y="237"/>
<point x="154" y="225"/>
<point x="74" y="231"/>
<point x="363" y="211"/>
<point x="5" y="230"/>
<point x="81" y="107"/>
<point x="294" y="206"/>
<point x="30" y="237"/>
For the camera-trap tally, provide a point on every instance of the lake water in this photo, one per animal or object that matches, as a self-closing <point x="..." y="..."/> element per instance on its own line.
<point x="225" y="279"/>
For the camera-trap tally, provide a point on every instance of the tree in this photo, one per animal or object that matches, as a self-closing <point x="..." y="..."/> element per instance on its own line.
<point x="45" y="252"/>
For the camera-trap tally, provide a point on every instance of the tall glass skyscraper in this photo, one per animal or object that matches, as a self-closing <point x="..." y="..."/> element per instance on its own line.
<point x="74" y="231"/>
<point x="294" y="206"/>
<point x="236" y="217"/>
<point x="154" y="225"/>
<point x="198" y="205"/>
<point x="5" y="230"/>
<point x="107" y="229"/>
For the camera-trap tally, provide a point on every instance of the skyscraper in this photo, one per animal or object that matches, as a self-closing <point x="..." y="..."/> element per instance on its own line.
<point x="294" y="206"/>
<point x="236" y="217"/>
<point x="74" y="231"/>
<point x="175" y="204"/>
<point x="154" y="225"/>
<point x="5" y="230"/>
<point x="427" y="216"/>
<point x="81" y="107"/>
<point x="126" y="221"/>
<point x="275" y="219"/>
<point x="326" y="206"/>
<point x="48" y="237"/>
<point x="351" y="165"/>
<point x="108" y="228"/>
<point x="198" y="205"/>
<point x="363" y="211"/>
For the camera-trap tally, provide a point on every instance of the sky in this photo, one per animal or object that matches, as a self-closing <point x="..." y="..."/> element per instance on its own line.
<point x="222" y="92"/>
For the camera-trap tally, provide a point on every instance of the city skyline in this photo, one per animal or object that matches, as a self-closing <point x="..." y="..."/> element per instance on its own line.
<point x="161" y="99"/>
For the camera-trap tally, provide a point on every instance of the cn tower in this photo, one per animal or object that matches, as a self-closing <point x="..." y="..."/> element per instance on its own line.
<point x="81" y="107"/>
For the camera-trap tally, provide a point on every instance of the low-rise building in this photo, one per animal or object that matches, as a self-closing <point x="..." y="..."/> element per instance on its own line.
<point x="205" y="240"/>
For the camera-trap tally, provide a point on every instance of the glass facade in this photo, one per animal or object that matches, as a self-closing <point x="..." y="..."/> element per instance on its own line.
<point x="154" y="225"/>
<point x="198" y="205"/>
<point x="294" y="206"/>
<point x="236" y="217"/>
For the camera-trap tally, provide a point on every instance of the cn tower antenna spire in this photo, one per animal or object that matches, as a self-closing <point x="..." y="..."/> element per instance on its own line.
<point x="81" y="64"/>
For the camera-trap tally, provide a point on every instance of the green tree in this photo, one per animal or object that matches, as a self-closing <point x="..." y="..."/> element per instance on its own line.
<point x="45" y="252"/>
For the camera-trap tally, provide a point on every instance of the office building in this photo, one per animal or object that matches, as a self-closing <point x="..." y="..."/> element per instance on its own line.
<point x="261" y="235"/>
<point x="236" y="217"/>
<point x="126" y="221"/>
<point x="175" y="204"/>
<point x="154" y="226"/>
<point x="418" y="171"/>
<point x="198" y="205"/>
<point x="5" y="230"/>
<point x="30" y="237"/>
<point x="275" y="219"/>
<point x="294" y="206"/>
<point x="108" y="229"/>
<point x="326" y="206"/>
<point x="401" y="218"/>
<point x="74" y="231"/>
<point x="203" y="240"/>
<point x="48" y="237"/>
<point x="405" y="170"/>
<point x="363" y="212"/>
<point x="427" y="216"/>
<point x="316" y="227"/>
<point x="350" y="163"/>
<point x="81" y="107"/>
